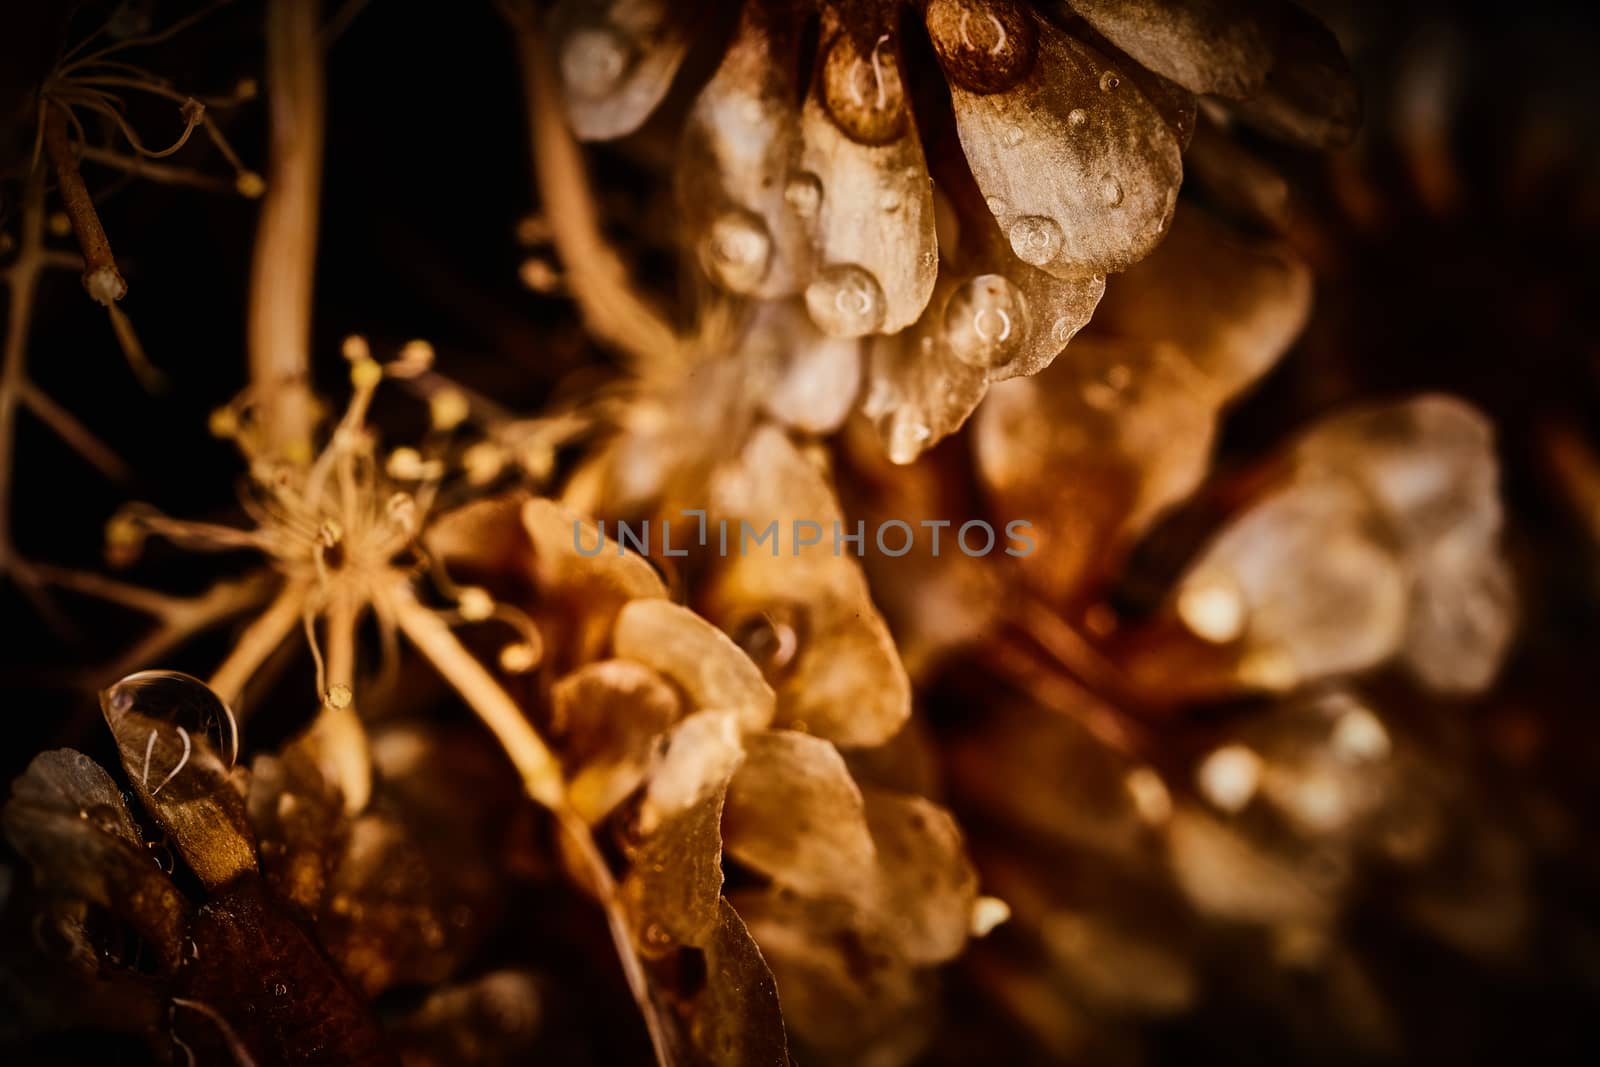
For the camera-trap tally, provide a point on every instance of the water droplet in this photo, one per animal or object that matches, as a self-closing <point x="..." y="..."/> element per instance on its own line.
<point x="804" y="194"/>
<point x="1110" y="191"/>
<point x="997" y="207"/>
<point x="1014" y="136"/>
<point x="983" y="45"/>
<point x="176" y="699"/>
<point x="737" y="250"/>
<point x="162" y="855"/>
<point x="656" y="936"/>
<point x="593" y="61"/>
<point x="889" y="201"/>
<point x="985" y="321"/>
<point x="280" y="989"/>
<point x="1109" y="81"/>
<point x="862" y="89"/>
<point x="1077" y="118"/>
<point x="772" y="639"/>
<point x="102" y="817"/>
<point x="845" y="300"/>
<point x="1065" y="329"/>
<point x="1036" y="239"/>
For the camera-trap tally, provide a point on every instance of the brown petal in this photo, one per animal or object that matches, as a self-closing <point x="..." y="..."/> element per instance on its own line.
<point x="1079" y="168"/>
<point x="736" y="1021"/>
<point x="158" y="719"/>
<point x="617" y="59"/>
<point x="710" y="668"/>
<point x="702" y="752"/>
<point x="564" y="545"/>
<point x="926" y="883"/>
<point x="66" y="818"/>
<point x="296" y="815"/>
<point x="806" y="615"/>
<point x="1310" y="96"/>
<point x="485" y="537"/>
<point x="1221" y="47"/>
<point x="606" y="716"/>
<point x="743" y="197"/>
<point x="813" y="378"/>
<point x="795" y="815"/>
<point x="874" y="228"/>
<point x="673" y="890"/>
<point x="489" y="1020"/>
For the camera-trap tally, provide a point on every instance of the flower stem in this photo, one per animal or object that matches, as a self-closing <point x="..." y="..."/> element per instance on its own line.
<point x="101" y="278"/>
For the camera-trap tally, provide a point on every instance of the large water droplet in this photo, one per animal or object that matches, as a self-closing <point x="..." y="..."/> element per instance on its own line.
<point x="804" y="194"/>
<point x="985" y="321"/>
<point x="845" y="300"/>
<point x="862" y="89"/>
<point x="1077" y="118"/>
<point x="983" y="45"/>
<point x="593" y="61"/>
<point x="1014" y="136"/>
<point x="178" y="700"/>
<point x="737" y="250"/>
<point x="773" y="638"/>
<point x="1036" y="239"/>
<point x="1109" y="81"/>
<point x="1110" y="191"/>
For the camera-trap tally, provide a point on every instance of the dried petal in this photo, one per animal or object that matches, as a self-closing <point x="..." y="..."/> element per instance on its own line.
<point x="1226" y="875"/>
<point x="807" y="615"/>
<point x="176" y="772"/>
<point x="702" y="752"/>
<point x="813" y="378"/>
<point x="607" y="716"/>
<point x="1074" y="151"/>
<point x="491" y="1020"/>
<point x="795" y="815"/>
<point x="702" y="660"/>
<point x="874" y="230"/>
<point x="617" y="59"/>
<point x="1310" y="95"/>
<point x="1221" y="47"/>
<point x="744" y="199"/>
<point x="296" y="816"/>
<point x="564" y="544"/>
<point x="674" y="889"/>
<point x="926" y="885"/>
<point x="66" y="818"/>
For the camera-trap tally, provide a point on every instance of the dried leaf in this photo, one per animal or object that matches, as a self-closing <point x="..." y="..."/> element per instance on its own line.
<point x="1079" y="168"/>
<point x="736" y="1021"/>
<point x="617" y="59"/>
<point x="674" y="887"/>
<point x="66" y="818"/>
<point x="607" y="716"/>
<point x="806" y="615"/>
<point x="177" y="774"/>
<point x="875" y="240"/>
<point x="794" y="814"/>
<point x="1221" y="47"/>
<point x="747" y="207"/>
<point x="702" y="660"/>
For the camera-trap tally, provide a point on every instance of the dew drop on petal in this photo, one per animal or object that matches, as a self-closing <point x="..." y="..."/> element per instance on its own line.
<point x="889" y="201"/>
<point x="804" y="194"/>
<point x="594" y="60"/>
<point x="984" y="321"/>
<point x="1036" y="239"/>
<point x="1109" y="81"/>
<point x="737" y="250"/>
<point x="996" y="205"/>
<point x="179" y="700"/>
<point x="845" y="300"/>
<point x="1064" y="330"/>
<point x="1077" y="118"/>
<point x="984" y="46"/>
<point x="1110" y="191"/>
<point x="1014" y="136"/>
<point x="862" y="90"/>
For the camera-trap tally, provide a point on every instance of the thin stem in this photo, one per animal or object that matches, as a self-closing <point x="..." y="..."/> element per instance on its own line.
<point x="279" y="329"/>
<point x="258" y="641"/>
<point x="157" y="172"/>
<point x="613" y="312"/>
<point x="74" y="433"/>
<point x="101" y="277"/>
<point x="23" y="279"/>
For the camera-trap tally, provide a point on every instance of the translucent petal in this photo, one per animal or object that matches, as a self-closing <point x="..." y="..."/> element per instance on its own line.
<point x="702" y="752"/>
<point x="736" y="1021"/>
<point x="1227" y="876"/>
<point x="176" y="772"/>
<point x="1310" y="95"/>
<point x="926" y="884"/>
<point x="673" y="890"/>
<point x="745" y="201"/>
<point x="874" y="227"/>
<point x="557" y="534"/>
<point x="806" y="615"/>
<point x="617" y="59"/>
<point x="795" y="815"/>
<point x="813" y="378"/>
<point x="1221" y="47"/>
<point x="66" y="818"/>
<point x="606" y="716"/>
<point x="702" y="660"/>
<point x="1074" y="150"/>
<point x="297" y="817"/>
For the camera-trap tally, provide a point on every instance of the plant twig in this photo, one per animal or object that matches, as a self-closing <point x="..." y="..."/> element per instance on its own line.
<point x="279" y="328"/>
<point x="101" y="278"/>
<point x="259" y="640"/>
